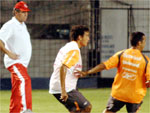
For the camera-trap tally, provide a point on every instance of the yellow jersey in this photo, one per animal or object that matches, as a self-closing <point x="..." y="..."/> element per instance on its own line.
<point x="129" y="82"/>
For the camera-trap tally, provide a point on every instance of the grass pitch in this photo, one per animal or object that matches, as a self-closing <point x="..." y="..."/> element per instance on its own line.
<point x="43" y="102"/>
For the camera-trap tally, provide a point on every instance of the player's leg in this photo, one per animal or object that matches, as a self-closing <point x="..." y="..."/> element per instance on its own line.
<point x="68" y="104"/>
<point x="81" y="103"/>
<point x="87" y="109"/>
<point x="113" y="105"/>
<point x="28" y="87"/>
<point x="76" y="102"/>
<point x="18" y="97"/>
<point x="133" y="108"/>
<point x="15" y="99"/>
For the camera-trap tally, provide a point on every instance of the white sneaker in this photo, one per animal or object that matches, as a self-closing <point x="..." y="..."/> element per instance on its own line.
<point x="28" y="111"/>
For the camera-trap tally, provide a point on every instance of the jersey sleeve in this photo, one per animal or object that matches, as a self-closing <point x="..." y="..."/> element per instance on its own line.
<point x="5" y="32"/>
<point x="148" y="70"/>
<point x="112" y="62"/>
<point x="71" y="58"/>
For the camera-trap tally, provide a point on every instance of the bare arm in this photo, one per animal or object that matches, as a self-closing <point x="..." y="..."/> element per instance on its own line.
<point x="9" y="53"/>
<point x="96" y="69"/>
<point x="63" y="71"/>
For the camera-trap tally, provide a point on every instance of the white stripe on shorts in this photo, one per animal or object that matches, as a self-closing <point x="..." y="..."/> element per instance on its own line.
<point x="22" y="88"/>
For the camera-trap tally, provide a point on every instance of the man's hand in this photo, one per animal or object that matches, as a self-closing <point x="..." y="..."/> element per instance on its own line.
<point x="64" y="96"/>
<point x="96" y="69"/>
<point x="78" y="73"/>
<point x="148" y="83"/>
<point x="13" y="56"/>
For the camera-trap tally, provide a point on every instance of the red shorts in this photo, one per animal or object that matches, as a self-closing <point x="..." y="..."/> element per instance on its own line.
<point x="21" y="97"/>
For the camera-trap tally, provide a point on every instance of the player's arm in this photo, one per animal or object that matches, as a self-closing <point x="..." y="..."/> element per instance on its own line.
<point x="9" y="53"/>
<point x="96" y="69"/>
<point x="2" y="47"/>
<point x="112" y="62"/>
<point x="63" y="71"/>
<point x="70" y="60"/>
<point x="148" y="75"/>
<point x="6" y="32"/>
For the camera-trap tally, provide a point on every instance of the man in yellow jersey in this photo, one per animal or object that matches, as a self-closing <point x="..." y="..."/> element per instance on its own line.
<point x="132" y="78"/>
<point x="63" y="81"/>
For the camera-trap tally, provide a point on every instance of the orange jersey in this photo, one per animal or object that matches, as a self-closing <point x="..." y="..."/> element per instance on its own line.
<point x="129" y="83"/>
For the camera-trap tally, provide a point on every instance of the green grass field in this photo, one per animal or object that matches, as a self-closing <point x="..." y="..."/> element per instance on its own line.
<point x="43" y="102"/>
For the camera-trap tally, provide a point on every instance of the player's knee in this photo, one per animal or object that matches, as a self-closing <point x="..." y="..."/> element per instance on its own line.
<point x="88" y="108"/>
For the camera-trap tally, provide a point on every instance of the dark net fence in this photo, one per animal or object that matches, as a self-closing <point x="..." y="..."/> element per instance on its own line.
<point x="49" y="23"/>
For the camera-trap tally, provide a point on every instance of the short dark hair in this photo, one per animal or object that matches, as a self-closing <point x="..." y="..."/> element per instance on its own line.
<point x="136" y="37"/>
<point x="17" y="10"/>
<point x="78" y="30"/>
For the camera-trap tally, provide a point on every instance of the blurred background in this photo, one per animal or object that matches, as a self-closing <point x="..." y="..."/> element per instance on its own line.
<point x="110" y="21"/>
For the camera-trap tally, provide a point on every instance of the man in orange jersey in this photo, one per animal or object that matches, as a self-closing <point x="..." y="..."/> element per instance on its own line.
<point x="132" y="78"/>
